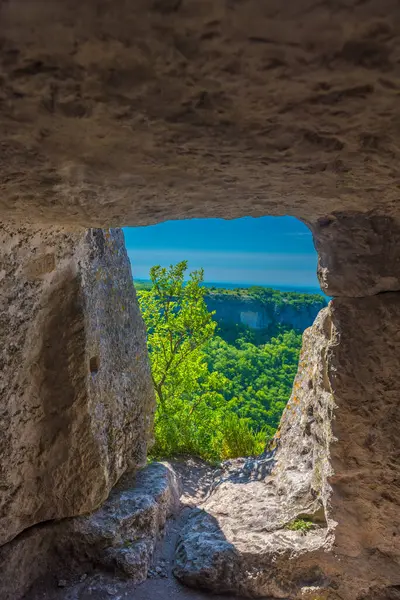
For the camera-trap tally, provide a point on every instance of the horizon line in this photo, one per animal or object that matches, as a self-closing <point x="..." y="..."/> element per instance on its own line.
<point x="247" y="283"/>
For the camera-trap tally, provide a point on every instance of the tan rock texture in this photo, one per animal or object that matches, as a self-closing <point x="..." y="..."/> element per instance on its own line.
<point x="117" y="112"/>
<point x="76" y="397"/>
<point x="335" y="464"/>
<point x="119" y="538"/>
<point x="358" y="255"/>
<point x="364" y="376"/>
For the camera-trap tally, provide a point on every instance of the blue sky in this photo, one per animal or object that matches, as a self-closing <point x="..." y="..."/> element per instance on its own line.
<point x="275" y="251"/>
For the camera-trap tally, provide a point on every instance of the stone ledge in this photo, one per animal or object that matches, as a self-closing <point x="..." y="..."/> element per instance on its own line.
<point x="120" y="537"/>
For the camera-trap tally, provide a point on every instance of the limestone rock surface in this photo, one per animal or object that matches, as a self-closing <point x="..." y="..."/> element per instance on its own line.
<point x="335" y="465"/>
<point x="118" y="538"/>
<point x="122" y="534"/>
<point x="363" y="372"/>
<point x="126" y="113"/>
<point x="76" y="398"/>
<point x="358" y="255"/>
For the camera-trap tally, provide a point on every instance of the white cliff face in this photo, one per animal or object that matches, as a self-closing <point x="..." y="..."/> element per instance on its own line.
<point x="250" y="318"/>
<point x="255" y="314"/>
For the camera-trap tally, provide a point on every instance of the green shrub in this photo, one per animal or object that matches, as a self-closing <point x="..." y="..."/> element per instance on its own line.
<point x="239" y="439"/>
<point x="301" y="525"/>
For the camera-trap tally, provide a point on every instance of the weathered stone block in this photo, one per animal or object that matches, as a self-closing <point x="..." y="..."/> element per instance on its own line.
<point x="363" y="367"/>
<point x="119" y="537"/>
<point x="358" y="254"/>
<point x="76" y="397"/>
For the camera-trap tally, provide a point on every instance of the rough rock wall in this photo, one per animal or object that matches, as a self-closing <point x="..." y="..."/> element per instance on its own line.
<point x="358" y="254"/>
<point x="75" y="390"/>
<point x="116" y="112"/>
<point x="346" y="396"/>
<point x="119" y="112"/>
<point x="119" y="537"/>
<point x="335" y="464"/>
<point x="363" y="370"/>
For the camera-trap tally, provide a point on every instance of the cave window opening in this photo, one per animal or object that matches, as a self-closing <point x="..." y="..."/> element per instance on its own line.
<point x="225" y="304"/>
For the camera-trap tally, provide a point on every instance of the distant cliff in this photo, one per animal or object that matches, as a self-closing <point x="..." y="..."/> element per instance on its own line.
<point x="259" y="308"/>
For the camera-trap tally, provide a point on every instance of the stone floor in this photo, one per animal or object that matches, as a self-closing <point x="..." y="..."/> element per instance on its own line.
<point x="167" y="587"/>
<point x="196" y="477"/>
<point x="160" y="585"/>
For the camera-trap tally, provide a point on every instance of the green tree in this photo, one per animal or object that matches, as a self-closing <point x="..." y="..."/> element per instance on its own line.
<point x="178" y="326"/>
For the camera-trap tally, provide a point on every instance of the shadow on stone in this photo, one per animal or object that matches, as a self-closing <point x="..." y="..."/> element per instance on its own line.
<point x="118" y="539"/>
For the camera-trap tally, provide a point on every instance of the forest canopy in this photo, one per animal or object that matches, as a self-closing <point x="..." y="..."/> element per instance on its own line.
<point x="221" y="389"/>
